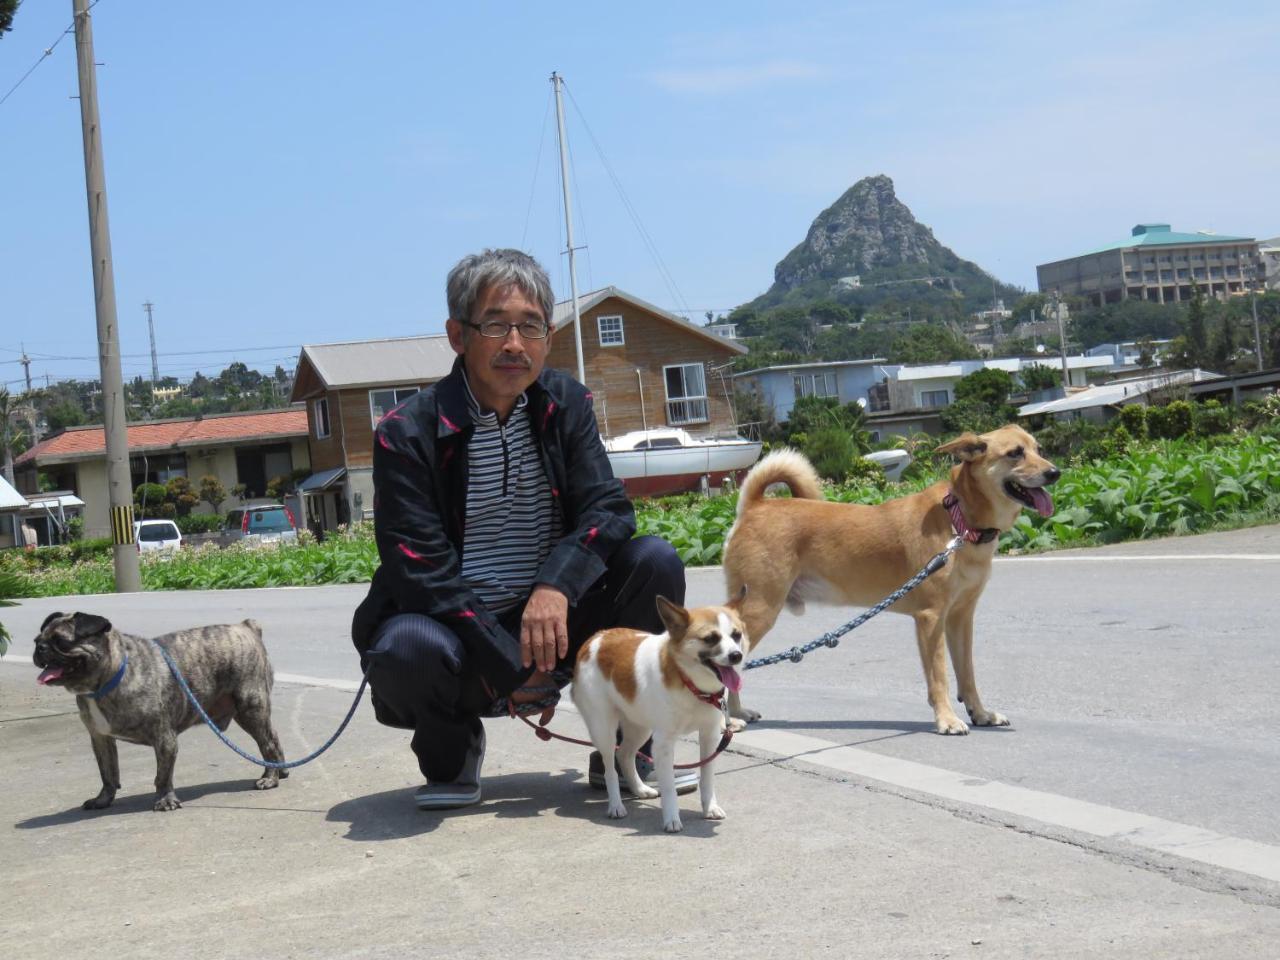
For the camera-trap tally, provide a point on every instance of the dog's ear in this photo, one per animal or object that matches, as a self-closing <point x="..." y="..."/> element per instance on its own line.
<point x="90" y="625"/>
<point x="49" y="619"/>
<point x="674" y="617"/>
<point x="965" y="447"/>
<point x="736" y="603"/>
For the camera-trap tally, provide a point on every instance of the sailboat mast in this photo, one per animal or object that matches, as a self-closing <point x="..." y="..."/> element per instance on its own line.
<point x="556" y="82"/>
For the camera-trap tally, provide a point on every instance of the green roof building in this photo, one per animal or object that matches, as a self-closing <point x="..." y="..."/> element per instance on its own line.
<point x="1157" y="264"/>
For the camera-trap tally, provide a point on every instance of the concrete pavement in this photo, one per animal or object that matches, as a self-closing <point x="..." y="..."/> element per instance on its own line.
<point x="819" y="856"/>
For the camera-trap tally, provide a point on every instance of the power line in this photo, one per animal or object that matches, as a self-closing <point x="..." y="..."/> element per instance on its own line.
<point x="48" y="52"/>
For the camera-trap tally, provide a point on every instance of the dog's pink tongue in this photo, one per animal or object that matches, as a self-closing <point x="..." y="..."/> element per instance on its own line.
<point x="49" y="673"/>
<point x="730" y="678"/>
<point x="1043" y="502"/>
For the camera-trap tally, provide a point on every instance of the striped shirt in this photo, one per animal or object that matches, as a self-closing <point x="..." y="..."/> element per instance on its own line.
<point x="512" y="518"/>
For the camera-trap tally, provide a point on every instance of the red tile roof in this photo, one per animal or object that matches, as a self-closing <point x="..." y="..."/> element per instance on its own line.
<point x="81" y="443"/>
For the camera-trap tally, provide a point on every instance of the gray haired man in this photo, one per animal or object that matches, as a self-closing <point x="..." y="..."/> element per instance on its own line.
<point x="505" y="541"/>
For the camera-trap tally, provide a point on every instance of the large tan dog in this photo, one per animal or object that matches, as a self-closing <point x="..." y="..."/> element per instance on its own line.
<point x="788" y="551"/>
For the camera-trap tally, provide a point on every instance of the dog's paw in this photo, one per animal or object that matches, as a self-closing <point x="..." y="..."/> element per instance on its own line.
<point x="267" y="783"/>
<point x="166" y="803"/>
<point x="673" y="825"/>
<point x="715" y="812"/>
<point x="618" y="812"/>
<point x="645" y="792"/>
<point x="100" y="802"/>
<point x="989" y="718"/>
<point x="951" y="726"/>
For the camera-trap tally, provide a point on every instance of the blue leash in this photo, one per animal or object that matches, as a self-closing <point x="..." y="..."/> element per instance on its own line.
<point x="270" y="764"/>
<point x="832" y="637"/>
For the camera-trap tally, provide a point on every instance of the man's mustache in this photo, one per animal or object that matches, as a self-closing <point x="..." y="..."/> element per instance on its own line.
<point x="518" y="360"/>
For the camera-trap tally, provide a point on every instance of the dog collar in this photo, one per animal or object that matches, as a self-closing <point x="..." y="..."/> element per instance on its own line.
<point x="110" y="684"/>
<point x="713" y="699"/>
<point x="962" y="528"/>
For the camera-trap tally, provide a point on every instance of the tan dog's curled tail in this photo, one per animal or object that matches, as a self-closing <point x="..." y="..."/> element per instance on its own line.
<point x="782" y="466"/>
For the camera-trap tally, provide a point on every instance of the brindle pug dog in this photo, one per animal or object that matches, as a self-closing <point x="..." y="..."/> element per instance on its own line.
<point x="124" y="691"/>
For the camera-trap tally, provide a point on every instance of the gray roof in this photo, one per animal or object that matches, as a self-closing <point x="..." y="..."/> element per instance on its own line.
<point x="563" y="315"/>
<point x="369" y="363"/>
<point x="1117" y="392"/>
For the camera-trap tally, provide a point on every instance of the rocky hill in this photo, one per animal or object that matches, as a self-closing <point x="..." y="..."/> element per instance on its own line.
<point x="868" y="248"/>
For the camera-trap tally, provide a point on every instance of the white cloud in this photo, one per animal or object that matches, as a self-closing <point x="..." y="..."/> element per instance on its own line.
<point x="732" y="79"/>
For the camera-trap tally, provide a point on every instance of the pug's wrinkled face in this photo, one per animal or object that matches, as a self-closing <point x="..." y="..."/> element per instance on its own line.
<point x="71" y="649"/>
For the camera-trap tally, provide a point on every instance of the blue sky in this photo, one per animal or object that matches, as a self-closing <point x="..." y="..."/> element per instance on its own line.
<point x="290" y="173"/>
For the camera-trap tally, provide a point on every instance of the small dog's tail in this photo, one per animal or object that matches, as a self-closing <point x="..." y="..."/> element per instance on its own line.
<point x="782" y="466"/>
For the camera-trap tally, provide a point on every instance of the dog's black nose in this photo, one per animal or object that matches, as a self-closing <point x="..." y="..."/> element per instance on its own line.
<point x="735" y="657"/>
<point x="1052" y="474"/>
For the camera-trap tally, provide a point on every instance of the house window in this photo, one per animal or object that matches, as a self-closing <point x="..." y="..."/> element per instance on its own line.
<point x="934" y="398"/>
<point x="382" y="401"/>
<point x="815" y="385"/>
<point x="686" y="393"/>
<point x="321" y="408"/>
<point x="610" y="331"/>
<point x="157" y="468"/>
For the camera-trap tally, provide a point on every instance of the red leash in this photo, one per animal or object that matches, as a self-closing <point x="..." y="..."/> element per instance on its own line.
<point x="546" y="733"/>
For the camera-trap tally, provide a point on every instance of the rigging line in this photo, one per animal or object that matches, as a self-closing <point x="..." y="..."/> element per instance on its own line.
<point x="537" y="165"/>
<point x="48" y="52"/>
<point x="664" y="272"/>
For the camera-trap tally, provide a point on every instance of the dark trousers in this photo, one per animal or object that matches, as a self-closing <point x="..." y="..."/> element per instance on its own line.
<point x="421" y="677"/>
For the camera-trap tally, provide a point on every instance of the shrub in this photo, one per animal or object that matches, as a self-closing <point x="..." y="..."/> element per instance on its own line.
<point x="199" y="523"/>
<point x="75" y="529"/>
<point x="1170" y="421"/>
<point x="149" y="498"/>
<point x="1212" y="418"/>
<point x="1133" y="417"/>
<point x="832" y="452"/>
<point x="212" y="492"/>
<point x="179" y="493"/>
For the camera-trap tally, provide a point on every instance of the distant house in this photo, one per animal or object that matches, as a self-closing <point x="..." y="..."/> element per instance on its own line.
<point x="237" y="448"/>
<point x="780" y="386"/>
<point x="11" y="505"/>
<point x="646" y="368"/>
<point x="1101" y="403"/>
<point x="347" y="387"/>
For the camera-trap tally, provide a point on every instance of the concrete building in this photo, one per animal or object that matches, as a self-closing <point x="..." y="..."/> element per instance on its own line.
<point x="237" y="448"/>
<point x="1155" y="264"/>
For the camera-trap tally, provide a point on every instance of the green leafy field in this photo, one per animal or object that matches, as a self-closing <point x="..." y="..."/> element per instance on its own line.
<point x="1157" y="489"/>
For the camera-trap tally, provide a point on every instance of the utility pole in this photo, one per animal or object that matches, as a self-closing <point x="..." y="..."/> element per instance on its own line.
<point x="114" y="423"/>
<point x="1251" y="269"/>
<point x="151" y="328"/>
<point x="1062" y="341"/>
<point x="26" y="366"/>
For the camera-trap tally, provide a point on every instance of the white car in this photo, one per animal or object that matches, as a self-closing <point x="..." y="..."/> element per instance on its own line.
<point x="154" y="536"/>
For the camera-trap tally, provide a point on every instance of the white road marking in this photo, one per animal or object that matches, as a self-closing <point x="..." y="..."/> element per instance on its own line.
<point x="1157" y="557"/>
<point x="302" y="680"/>
<point x="1180" y="839"/>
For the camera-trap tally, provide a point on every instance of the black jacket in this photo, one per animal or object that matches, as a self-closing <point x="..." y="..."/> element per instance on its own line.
<point x="420" y="501"/>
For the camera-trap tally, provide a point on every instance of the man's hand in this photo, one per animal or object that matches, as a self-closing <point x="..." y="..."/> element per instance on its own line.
<point x="544" y="628"/>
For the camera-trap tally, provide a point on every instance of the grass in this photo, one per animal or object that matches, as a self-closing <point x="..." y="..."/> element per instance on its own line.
<point x="1156" y="489"/>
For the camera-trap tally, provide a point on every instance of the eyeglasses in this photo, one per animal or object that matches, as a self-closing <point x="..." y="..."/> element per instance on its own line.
<point x="500" y="329"/>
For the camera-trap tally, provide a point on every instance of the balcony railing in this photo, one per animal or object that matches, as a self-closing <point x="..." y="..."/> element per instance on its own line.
<point x="687" y="410"/>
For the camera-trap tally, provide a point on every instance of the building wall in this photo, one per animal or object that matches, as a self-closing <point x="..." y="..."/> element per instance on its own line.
<point x="91" y="480"/>
<point x="1163" y="273"/>
<point x="650" y="344"/>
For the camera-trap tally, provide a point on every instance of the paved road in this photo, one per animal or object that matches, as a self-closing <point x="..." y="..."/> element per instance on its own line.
<point x="1139" y="780"/>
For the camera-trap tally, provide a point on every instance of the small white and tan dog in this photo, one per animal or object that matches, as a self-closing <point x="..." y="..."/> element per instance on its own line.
<point x="670" y="684"/>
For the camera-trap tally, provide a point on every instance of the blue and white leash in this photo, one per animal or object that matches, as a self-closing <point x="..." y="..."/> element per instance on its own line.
<point x="832" y="637"/>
